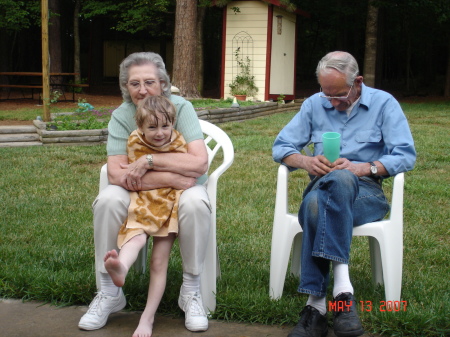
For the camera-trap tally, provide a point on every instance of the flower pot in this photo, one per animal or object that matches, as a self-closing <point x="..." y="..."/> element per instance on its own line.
<point x="240" y="97"/>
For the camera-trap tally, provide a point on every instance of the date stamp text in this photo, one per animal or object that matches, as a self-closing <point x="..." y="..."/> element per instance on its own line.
<point x="368" y="306"/>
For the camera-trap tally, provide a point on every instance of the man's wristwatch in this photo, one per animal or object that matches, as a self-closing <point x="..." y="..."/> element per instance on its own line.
<point x="373" y="168"/>
<point x="150" y="160"/>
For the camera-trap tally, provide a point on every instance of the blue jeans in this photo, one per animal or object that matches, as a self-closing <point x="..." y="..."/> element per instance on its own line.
<point x="332" y="205"/>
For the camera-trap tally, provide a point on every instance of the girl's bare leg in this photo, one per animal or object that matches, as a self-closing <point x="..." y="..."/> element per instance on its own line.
<point x="158" y="276"/>
<point x="118" y="265"/>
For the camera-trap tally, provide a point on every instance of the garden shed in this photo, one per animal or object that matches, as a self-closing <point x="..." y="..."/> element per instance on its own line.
<point x="259" y="42"/>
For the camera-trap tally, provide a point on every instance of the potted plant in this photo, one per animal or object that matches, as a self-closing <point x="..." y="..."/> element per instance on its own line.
<point x="243" y="84"/>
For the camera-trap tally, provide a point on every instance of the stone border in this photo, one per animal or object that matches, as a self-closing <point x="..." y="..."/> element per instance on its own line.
<point x="71" y="137"/>
<point x="215" y="116"/>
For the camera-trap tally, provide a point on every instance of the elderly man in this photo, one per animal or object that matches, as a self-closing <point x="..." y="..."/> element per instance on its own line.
<point x="376" y="142"/>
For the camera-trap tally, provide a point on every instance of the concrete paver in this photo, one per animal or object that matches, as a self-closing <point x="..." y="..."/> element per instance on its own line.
<point x="36" y="319"/>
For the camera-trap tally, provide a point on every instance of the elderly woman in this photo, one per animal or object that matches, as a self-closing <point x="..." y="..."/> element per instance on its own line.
<point x="143" y="74"/>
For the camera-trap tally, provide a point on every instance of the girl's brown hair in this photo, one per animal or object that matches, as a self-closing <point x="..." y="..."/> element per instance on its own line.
<point x="150" y="105"/>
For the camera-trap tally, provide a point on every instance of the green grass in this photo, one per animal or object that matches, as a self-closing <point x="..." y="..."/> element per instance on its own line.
<point x="47" y="252"/>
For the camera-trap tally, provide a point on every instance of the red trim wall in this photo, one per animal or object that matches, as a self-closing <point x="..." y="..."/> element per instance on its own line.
<point x="268" y="51"/>
<point x="224" y="44"/>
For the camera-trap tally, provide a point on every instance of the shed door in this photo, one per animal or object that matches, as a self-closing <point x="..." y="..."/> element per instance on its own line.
<point x="283" y="55"/>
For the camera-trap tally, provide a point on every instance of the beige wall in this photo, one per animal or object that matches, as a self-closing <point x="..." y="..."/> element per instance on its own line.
<point x="283" y="54"/>
<point x="253" y="20"/>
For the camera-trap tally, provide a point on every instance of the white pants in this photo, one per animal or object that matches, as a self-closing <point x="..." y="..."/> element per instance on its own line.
<point x="194" y="219"/>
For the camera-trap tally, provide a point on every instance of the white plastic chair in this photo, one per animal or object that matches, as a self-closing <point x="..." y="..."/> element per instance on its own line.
<point x="215" y="140"/>
<point x="385" y="241"/>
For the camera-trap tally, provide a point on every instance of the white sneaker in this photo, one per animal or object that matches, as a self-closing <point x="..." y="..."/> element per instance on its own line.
<point x="195" y="316"/>
<point x="100" y="308"/>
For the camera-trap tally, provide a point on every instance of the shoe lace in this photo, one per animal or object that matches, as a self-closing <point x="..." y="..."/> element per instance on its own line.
<point x="194" y="305"/>
<point x="95" y="305"/>
<point x="306" y="316"/>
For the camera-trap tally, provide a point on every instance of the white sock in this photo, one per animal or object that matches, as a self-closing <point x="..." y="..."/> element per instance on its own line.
<point x="318" y="302"/>
<point x="107" y="285"/>
<point x="342" y="282"/>
<point x="191" y="283"/>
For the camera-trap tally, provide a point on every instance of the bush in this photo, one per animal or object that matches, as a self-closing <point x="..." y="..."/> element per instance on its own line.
<point x="84" y="118"/>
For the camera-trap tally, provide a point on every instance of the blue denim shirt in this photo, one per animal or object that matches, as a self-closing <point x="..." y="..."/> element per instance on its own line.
<point x="376" y="129"/>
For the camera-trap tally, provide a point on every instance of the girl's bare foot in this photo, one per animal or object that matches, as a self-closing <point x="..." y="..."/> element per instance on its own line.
<point x="145" y="327"/>
<point x="115" y="268"/>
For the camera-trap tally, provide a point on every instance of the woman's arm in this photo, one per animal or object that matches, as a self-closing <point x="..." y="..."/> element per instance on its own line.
<point x="176" y="170"/>
<point x="194" y="163"/>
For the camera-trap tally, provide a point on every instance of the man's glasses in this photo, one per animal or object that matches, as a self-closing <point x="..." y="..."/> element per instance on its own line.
<point x="340" y="98"/>
<point x="136" y="85"/>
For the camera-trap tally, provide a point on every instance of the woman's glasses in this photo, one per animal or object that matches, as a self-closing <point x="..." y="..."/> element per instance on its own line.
<point x="136" y="85"/>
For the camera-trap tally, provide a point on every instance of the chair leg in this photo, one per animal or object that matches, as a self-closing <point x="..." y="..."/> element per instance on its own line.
<point x="296" y="261"/>
<point x="392" y="261"/>
<point x="375" y="261"/>
<point x="208" y="279"/>
<point x="279" y="259"/>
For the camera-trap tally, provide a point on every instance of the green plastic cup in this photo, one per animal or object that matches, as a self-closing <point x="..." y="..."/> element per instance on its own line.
<point x="331" y="145"/>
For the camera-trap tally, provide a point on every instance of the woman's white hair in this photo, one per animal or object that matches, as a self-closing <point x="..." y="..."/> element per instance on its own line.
<point x="138" y="59"/>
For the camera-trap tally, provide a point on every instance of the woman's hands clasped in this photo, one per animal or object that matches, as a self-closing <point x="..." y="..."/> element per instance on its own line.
<point x="132" y="178"/>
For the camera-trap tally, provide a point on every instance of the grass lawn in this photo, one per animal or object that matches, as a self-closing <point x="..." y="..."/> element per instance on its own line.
<point x="47" y="252"/>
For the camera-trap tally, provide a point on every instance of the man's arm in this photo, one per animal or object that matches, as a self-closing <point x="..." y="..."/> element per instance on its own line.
<point x="319" y="165"/>
<point x="359" y="169"/>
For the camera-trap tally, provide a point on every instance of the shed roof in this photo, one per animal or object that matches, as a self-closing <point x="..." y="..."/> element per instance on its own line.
<point x="279" y="4"/>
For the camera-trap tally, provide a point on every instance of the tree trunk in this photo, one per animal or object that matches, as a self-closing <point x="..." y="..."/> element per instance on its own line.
<point x="185" y="46"/>
<point x="76" y="40"/>
<point x="447" y="76"/>
<point x="54" y="39"/>
<point x="370" y="55"/>
<point x="200" y="60"/>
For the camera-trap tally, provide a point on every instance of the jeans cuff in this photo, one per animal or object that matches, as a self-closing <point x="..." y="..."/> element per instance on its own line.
<point x="311" y="292"/>
<point x="330" y="257"/>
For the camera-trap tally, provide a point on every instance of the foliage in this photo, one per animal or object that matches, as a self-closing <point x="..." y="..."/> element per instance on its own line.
<point x="41" y="186"/>
<point x="244" y="81"/>
<point x="133" y="16"/>
<point x="85" y="117"/>
<point x="207" y="104"/>
<point x="78" y="89"/>
<point x="280" y="98"/>
<point x="17" y="15"/>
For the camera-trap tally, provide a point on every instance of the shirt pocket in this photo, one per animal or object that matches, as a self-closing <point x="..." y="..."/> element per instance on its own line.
<point x="368" y="136"/>
<point x="316" y="136"/>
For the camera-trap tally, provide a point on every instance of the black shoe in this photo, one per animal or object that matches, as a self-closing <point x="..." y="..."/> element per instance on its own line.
<point x="346" y="322"/>
<point x="311" y="324"/>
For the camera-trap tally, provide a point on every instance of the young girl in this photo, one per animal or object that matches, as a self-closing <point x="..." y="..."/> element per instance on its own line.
<point x="151" y="213"/>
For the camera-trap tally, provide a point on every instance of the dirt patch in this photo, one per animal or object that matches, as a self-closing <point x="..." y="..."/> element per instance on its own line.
<point x="106" y="98"/>
<point x="16" y="101"/>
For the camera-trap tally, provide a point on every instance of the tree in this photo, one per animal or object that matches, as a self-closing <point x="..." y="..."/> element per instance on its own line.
<point x="54" y="38"/>
<point x="370" y="55"/>
<point x="76" y="41"/>
<point x="185" y="46"/>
